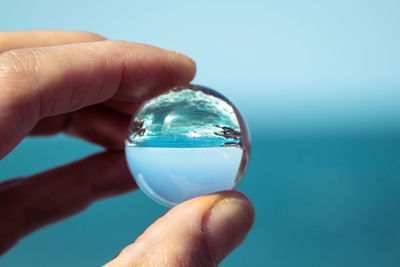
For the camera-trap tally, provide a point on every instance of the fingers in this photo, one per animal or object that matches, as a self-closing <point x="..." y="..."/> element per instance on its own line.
<point x="97" y="124"/>
<point x="199" y="232"/>
<point x="104" y="122"/>
<point x="30" y="203"/>
<point x="24" y="39"/>
<point x="42" y="82"/>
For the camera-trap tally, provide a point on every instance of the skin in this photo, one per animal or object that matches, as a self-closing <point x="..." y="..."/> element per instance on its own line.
<point x="82" y="85"/>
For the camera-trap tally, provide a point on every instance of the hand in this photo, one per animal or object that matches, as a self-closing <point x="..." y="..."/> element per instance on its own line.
<point x="82" y="85"/>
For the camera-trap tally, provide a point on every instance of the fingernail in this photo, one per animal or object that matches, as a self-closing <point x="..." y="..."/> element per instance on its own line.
<point x="227" y="225"/>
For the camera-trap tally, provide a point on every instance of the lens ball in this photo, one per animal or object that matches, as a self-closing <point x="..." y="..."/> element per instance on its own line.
<point x="185" y="143"/>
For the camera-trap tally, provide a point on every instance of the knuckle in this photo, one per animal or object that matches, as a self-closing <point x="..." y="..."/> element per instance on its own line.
<point x="19" y="72"/>
<point x="18" y="66"/>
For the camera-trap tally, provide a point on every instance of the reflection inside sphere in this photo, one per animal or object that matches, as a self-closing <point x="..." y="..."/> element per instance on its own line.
<point x="185" y="143"/>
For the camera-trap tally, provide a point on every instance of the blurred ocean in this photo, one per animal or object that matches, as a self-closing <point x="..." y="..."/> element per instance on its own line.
<point x="320" y="201"/>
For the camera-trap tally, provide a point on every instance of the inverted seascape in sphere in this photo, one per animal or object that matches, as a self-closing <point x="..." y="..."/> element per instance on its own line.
<point x="185" y="143"/>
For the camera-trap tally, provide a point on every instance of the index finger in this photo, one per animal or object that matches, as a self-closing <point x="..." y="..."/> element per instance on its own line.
<point x="40" y="82"/>
<point x="24" y="39"/>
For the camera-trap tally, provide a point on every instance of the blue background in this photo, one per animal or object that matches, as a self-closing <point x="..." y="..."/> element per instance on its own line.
<point x="319" y="83"/>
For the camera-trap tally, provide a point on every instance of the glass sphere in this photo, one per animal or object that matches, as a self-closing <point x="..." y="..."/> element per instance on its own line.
<point x="185" y="143"/>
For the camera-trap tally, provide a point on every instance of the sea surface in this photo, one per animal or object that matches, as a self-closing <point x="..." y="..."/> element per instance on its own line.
<point x="319" y="200"/>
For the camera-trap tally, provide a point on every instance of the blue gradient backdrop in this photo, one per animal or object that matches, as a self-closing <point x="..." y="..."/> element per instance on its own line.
<point x="319" y="83"/>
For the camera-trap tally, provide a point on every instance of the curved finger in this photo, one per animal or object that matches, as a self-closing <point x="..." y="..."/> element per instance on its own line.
<point x="42" y="82"/>
<point x="199" y="232"/>
<point x="27" y="204"/>
<point x="97" y="124"/>
<point x="24" y="39"/>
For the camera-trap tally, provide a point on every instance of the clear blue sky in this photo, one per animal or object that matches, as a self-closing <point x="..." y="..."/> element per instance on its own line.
<point x="291" y="66"/>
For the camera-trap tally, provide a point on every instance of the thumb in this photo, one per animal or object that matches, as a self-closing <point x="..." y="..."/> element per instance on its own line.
<point x="198" y="232"/>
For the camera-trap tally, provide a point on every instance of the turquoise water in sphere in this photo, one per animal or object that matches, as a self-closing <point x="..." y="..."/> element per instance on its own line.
<point x="188" y="142"/>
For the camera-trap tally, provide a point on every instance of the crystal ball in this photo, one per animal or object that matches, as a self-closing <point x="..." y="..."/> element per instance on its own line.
<point x="185" y="143"/>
